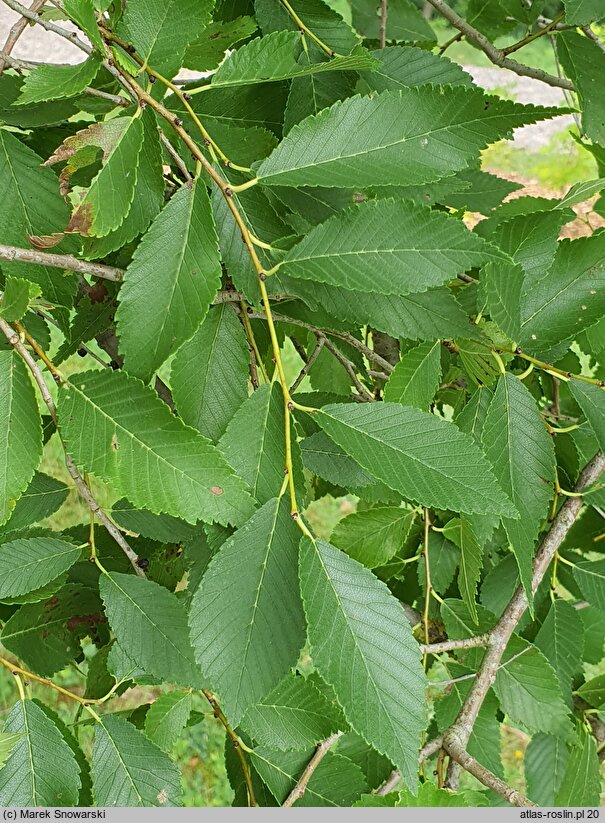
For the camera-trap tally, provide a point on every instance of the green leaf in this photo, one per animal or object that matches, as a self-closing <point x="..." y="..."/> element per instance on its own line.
<point x="337" y="781"/>
<point x="594" y="634"/>
<point x="21" y="432"/>
<point x="275" y="57"/>
<point x="430" y="795"/>
<point x="175" y="296"/>
<point x="254" y="441"/>
<point x="148" y="195"/>
<point x="48" y="82"/>
<point x="85" y="796"/>
<point x="526" y="684"/>
<point x="387" y="247"/>
<point x="17" y="296"/>
<point x="167" y="717"/>
<point x="83" y="13"/>
<point x="130" y="770"/>
<point x="243" y="106"/>
<point x="591" y="399"/>
<point x="528" y="690"/>
<point x="582" y="61"/>
<point x="425" y="458"/>
<point x="41" y="498"/>
<point x="415" y="379"/>
<point x="248" y="630"/>
<point x="561" y="640"/>
<point x="152" y="526"/>
<point x="376" y="674"/>
<point x="443" y="561"/>
<point x="545" y="761"/>
<point x="123" y="668"/>
<point x="568" y="298"/>
<point x="99" y="680"/>
<point x="373" y="536"/>
<point x="530" y="239"/>
<point x="311" y="206"/>
<point x="478" y="362"/>
<point x="406" y="66"/>
<point x="37" y="209"/>
<point x="580" y="783"/>
<point x="424" y="316"/>
<point x="460" y="531"/>
<point x="237" y="781"/>
<point x="27" y="564"/>
<point x="46" y="635"/>
<point x="161" y="30"/>
<point x="472" y="417"/>
<point x="134" y="442"/>
<point x="590" y="577"/>
<point x="102" y="207"/>
<point x="263" y="221"/>
<point x="593" y="691"/>
<point x="312" y="93"/>
<point x="377" y="800"/>
<point x="38" y="114"/>
<point x="521" y="452"/>
<point x="429" y="133"/>
<point x="580" y="192"/>
<point x="90" y="320"/>
<point x="376" y="767"/>
<point x="503" y="284"/>
<point x="294" y="715"/>
<point x="7" y="743"/>
<point x="324" y="21"/>
<point x="324" y="458"/>
<point x="482" y="192"/>
<point x="150" y="624"/>
<point x="209" y="376"/>
<point x="208" y="50"/>
<point x="581" y="12"/>
<point x="41" y="769"/>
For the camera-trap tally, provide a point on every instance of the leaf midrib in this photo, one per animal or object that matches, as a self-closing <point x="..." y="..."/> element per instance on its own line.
<point x="122" y="761"/>
<point x="383" y="147"/>
<point x="377" y="691"/>
<point x="268" y="548"/>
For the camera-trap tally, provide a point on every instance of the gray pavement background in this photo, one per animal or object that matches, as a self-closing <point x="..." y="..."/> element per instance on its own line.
<point x="38" y="44"/>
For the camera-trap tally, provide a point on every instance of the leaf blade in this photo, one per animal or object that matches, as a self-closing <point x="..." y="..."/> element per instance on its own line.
<point x="176" y="296"/>
<point x="163" y="465"/>
<point x="130" y="770"/>
<point x="21" y="436"/>
<point x="150" y="624"/>
<point x="27" y="564"/>
<point x="247" y="632"/>
<point x="41" y="769"/>
<point x="521" y="452"/>
<point x="349" y="609"/>
<point x="341" y="144"/>
<point x="387" y="247"/>
<point x="417" y="459"/>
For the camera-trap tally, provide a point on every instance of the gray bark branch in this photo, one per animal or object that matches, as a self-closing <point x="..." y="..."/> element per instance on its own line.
<point x="496" y="55"/>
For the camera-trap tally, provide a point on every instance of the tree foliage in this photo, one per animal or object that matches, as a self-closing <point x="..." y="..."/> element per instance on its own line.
<point x="270" y="273"/>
